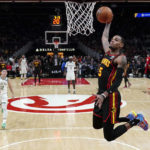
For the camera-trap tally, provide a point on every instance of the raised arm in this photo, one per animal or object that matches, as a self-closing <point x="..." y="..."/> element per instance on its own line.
<point x="105" y="37"/>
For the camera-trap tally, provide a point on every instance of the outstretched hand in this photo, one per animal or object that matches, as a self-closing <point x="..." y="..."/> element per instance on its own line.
<point x="98" y="99"/>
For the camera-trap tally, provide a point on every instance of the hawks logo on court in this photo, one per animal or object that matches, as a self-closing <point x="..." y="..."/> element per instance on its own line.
<point x="53" y="104"/>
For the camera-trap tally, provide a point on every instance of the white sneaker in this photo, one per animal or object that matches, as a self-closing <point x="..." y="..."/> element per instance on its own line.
<point x="3" y="125"/>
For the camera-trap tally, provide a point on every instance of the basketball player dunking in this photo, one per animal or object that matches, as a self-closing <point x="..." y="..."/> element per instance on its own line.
<point x="107" y="101"/>
<point x="37" y="69"/>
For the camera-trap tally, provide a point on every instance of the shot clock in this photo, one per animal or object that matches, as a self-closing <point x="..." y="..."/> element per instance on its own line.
<point x="55" y="20"/>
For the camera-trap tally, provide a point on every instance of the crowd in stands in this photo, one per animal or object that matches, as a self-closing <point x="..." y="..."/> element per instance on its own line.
<point x="53" y="66"/>
<point x="20" y="26"/>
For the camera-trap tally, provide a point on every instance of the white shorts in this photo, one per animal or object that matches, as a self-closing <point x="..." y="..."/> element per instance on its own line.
<point x="70" y="76"/>
<point x="3" y="98"/>
<point x="23" y="70"/>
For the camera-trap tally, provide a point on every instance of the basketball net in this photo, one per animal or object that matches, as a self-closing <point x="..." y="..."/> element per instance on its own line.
<point x="80" y="18"/>
<point x="56" y="43"/>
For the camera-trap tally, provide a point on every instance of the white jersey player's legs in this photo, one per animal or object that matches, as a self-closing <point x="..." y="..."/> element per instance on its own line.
<point x="25" y="76"/>
<point x="0" y="101"/>
<point x="23" y="69"/>
<point x="70" y="76"/>
<point x="4" y="110"/>
<point x="4" y="107"/>
<point x="21" y="76"/>
<point x="4" y="99"/>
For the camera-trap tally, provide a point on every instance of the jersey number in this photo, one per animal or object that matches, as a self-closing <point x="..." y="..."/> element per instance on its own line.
<point x="100" y="71"/>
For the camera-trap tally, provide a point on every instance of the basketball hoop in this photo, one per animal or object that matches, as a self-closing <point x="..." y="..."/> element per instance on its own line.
<point x="80" y="17"/>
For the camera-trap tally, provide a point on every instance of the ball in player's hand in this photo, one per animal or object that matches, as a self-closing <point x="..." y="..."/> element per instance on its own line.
<point x="104" y="15"/>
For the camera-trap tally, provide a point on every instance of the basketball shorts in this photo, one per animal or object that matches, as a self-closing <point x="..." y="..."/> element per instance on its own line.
<point x="37" y="72"/>
<point x="110" y="110"/>
<point x="23" y="70"/>
<point x="70" y="76"/>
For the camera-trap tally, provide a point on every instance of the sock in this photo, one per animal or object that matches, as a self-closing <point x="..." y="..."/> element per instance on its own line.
<point x="25" y="76"/>
<point x="21" y="76"/>
<point x="4" y="120"/>
<point x="123" y="119"/>
<point x="35" y="80"/>
<point x="5" y="113"/>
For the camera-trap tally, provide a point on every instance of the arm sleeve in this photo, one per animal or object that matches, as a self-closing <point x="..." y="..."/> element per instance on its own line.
<point x="117" y="82"/>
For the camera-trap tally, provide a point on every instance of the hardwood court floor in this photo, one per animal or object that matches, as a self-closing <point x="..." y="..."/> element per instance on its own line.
<point x="73" y="131"/>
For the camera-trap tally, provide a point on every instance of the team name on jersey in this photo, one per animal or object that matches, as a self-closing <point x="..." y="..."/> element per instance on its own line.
<point x="106" y="62"/>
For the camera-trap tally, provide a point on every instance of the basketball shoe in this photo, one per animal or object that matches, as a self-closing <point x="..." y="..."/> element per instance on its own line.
<point x="3" y="125"/>
<point x="143" y="123"/>
<point x="131" y="115"/>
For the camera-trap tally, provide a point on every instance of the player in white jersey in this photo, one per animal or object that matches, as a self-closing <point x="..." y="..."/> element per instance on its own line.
<point x="70" y="75"/>
<point x="4" y="82"/>
<point x="23" y="67"/>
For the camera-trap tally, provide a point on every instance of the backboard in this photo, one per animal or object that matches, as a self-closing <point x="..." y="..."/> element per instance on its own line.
<point x="56" y="37"/>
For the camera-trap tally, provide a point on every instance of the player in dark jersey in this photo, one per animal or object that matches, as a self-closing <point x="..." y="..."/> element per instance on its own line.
<point x="2" y="64"/>
<point x="107" y="100"/>
<point x="37" y="69"/>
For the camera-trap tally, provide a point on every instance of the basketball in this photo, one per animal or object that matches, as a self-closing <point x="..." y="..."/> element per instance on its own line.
<point x="104" y="14"/>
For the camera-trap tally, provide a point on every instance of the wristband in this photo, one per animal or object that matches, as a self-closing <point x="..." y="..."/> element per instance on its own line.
<point x="104" y="96"/>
